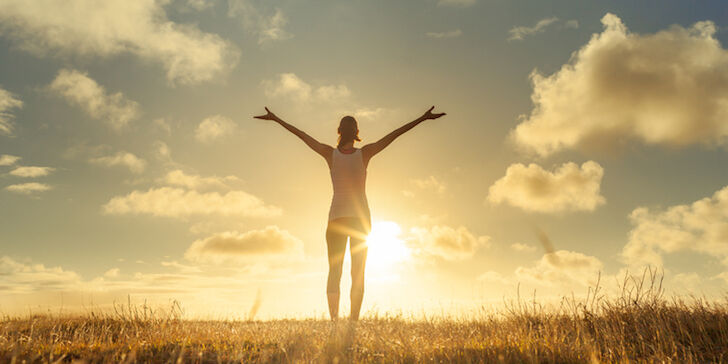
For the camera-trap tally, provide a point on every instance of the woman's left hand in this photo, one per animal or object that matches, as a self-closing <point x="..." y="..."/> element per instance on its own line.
<point x="268" y="116"/>
<point x="430" y="115"/>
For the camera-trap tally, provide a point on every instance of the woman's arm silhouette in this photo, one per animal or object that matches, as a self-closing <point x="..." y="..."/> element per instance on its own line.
<point x="370" y="150"/>
<point x="320" y="148"/>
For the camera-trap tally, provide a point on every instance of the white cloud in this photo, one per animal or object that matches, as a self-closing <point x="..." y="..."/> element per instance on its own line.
<point x="112" y="273"/>
<point x="179" y="203"/>
<point x="493" y="277"/>
<point x="290" y="86"/>
<point x="29" y="172"/>
<point x="213" y="128"/>
<point x="125" y="159"/>
<point x="430" y="184"/>
<point x="267" y="27"/>
<point x="8" y="160"/>
<point x="462" y="3"/>
<point x="669" y="88"/>
<point x="520" y="247"/>
<point x="532" y="188"/>
<point x="254" y="244"/>
<point x="80" y="90"/>
<point x="178" y="177"/>
<point x="28" y="188"/>
<point x="444" y="35"/>
<point x="114" y="27"/>
<point x="698" y="227"/>
<point x="18" y="277"/>
<point x="518" y="33"/>
<point x="8" y="102"/>
<point x="562" y="268"/>
<point x="446" y="242"/>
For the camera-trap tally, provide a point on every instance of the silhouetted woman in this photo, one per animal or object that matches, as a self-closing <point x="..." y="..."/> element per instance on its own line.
<point x="349" y="215"/>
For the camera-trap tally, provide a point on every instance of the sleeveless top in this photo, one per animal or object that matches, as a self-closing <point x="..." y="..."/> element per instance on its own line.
<point x="348" y="176"/>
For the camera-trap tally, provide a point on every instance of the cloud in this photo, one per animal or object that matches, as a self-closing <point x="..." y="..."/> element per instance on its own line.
<point x="462" y="3"/>
<point x="8" y="102"/>
<point x="31" y="171"/>
<point x="267" y="27"/>
<point x="28" y="188"/>
<point x="532" y="188"/>
<point x="8" y="160"/>
<point x="669" y="88"/>
<point x="430" y="183"/>
<point x="180" y="203"/>
<point x="78" y="89"/>
<point x="213" y="128"/>
<point x="562" y="268"/>
<point x="446" y="242"/>
<point x="698" y="227"/>
<point x="518" y="33"/>
<point x="178" y="177"/>
<point x="270" y="241"/>
<point x="444" y="35"/>
<point x="18" y="277"/>
<point x="290" y="86"/>
<point x="115" y="27"/>
<point x="125" y="159"/>
<point x="520" y="247"/>
<point x="493" y="277"/>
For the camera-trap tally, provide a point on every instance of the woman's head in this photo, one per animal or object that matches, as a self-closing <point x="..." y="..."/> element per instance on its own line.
<point x="348" y="131"/>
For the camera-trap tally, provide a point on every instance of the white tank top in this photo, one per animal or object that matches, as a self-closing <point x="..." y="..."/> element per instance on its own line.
<point x="348" y="176"/>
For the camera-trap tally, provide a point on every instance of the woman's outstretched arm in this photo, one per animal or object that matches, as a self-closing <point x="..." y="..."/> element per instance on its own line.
<point x="370" y="150"/>
<point x="320" y="148"/>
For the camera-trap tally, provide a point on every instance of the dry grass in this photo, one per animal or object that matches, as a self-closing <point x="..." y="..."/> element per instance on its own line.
<point x="639" y="326"/>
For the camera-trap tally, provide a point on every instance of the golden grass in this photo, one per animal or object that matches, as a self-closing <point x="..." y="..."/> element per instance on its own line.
<point x="638" y="326"/>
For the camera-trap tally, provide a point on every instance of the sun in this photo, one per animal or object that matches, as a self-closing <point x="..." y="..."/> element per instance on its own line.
<point x="386" y="248"/>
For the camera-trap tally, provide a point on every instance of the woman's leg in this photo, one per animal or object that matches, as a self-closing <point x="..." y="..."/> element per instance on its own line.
<point x="336" y="245"/>
<point x="358" y="249"/>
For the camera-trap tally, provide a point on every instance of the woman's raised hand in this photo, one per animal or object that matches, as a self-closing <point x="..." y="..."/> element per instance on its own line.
<point x="430" y="115"/>
<point x="268" y="116"/>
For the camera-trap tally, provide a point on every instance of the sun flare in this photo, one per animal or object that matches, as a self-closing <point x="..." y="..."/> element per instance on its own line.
<point x="386" y="248"/>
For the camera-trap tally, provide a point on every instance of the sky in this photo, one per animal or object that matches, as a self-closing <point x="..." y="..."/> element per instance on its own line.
<point x="584" y="141"/>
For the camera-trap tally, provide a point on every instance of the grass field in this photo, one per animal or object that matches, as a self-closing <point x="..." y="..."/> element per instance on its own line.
<point x="639" y="326"/>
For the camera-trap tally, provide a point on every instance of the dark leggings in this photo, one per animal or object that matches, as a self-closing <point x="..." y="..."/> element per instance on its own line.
<point x="336" y="233"/>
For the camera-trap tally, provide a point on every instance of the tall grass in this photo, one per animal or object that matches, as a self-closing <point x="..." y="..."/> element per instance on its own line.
<point x="639" y="325"/>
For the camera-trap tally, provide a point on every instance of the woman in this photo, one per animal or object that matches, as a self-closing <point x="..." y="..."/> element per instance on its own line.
<point x="349" y="212"/>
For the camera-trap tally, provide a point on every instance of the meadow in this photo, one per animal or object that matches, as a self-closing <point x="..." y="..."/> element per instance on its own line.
<point x="640" y="325"/>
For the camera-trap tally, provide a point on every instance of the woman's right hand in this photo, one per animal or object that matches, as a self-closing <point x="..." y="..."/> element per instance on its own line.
<point x="268" y="116"/>
<point x="430" y="115"/>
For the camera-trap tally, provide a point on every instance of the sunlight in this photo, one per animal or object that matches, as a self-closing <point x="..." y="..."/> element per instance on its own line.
<point x="386" y="249"/>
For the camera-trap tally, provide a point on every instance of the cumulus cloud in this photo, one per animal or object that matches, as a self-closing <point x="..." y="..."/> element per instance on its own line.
<point x="213" y="128"/>
<point x="123" y="159"/>
<point x="8" y="102"/>
<point x="562" y="268"/>
<point x="268" y="27"/>
<point x="178" y="177"/>
<point x="444" y="35"/>
<point x="290" y="86"/>
<point x="569" y="188"/>
<point x="180" y="203"/>
<point x="493" y="277"/>
<point x="446" y="242"/>
<point x="30" y="172"/>
<point x="19" y="277"/>
<point x="698" y="227"/>
<point x="8" y="160"/>
<point x="430" y="184"/>
<point x="669" y="88"/>
<point x="28" y="188"/>
<point x="115" y="27"/>
<point x="80" y="90"/>
<point x="270" y="241"/>
<point x="462" y="3"/>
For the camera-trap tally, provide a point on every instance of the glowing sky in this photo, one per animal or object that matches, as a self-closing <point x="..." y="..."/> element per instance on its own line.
<point x="130" y="165"/>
